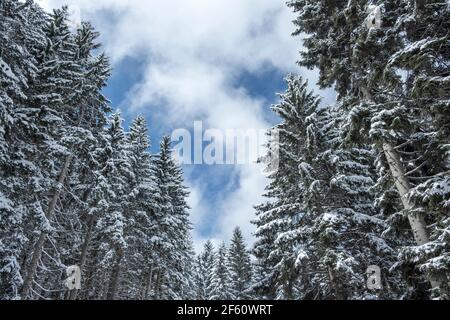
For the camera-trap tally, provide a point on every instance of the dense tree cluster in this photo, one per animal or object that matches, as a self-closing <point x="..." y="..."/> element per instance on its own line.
<point x="225" y="273"/>
<point x="365" y="181"/>
<point x="75" y="187"/>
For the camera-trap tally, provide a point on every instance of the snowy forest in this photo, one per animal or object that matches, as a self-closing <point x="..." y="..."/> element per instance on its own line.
<point x="363" y="182"/>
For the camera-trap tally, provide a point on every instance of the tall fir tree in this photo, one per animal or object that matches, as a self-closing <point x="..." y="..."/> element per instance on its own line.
<point x="141" y="221"/>
<point x="351" y="43"/>
<point x="75" y="189"/>
<point x="220" y="285"/>
<point x="321" y="218"/>
<point x="240" y="266"/>
<point x="204" y="269"/>
<point x="19" y="37"/>
<point x="172" y="243"/>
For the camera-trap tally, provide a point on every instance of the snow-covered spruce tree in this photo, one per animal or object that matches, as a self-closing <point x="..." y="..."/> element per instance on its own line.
<point x="20" y="34"/>
<point x="220" y="284"/>
<point x="47" y="118"/>
<point x="53" y="119"/>
<point x="204" y="268"/>
<point x="52" y="89"/>
<point x="321" y="218"/>
<point x="187" y="290"/>
<point x="423" y="58"/>
<point x="103" y="242"/>
<point x="150" y="261"/>
<point x="348" y="235"/>
<point x="199" y="279"/>
<point x="264" y="273"/>
<point x="114" y="223"/>
<point x="71" y="111"/>
<point x="72" y="190"/>
<point x="281" y="238"/>
<point x="183" y="241"/>
<point x="240" y="266"/>
<point x="351" y="50"/>
<point x="138" y="255"/>
<point x="97" y="204"/>
<point x="83" y="128"/>
<point x="172" y="243"/>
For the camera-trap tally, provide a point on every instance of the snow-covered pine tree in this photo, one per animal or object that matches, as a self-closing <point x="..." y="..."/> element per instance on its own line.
<point x="199" y="279"/>
<point x="139" y="256"/>
<point x="183" y="241"/>
<point x="104" y="236"/>
<point x="73" y="191"/>
<point x="114" y="223"/>
<point x="351" y="53"/>
<point x="220" y="284"/>
<point x="265" y="273"/>
<point x="71" y="112"/>
<point x="418" y="72"/>
<point x="20" y="25"/>
<point x="321" y="218"/>
<point x="83" y="128"/>
<point x="187" y="290"/>
<point x="240" y="266"/>
<point x="283" y="224"/>
<point x="204" y="268"/>
<point x="171" y="243"/>
<point x="92" y="254"/>
<point x="128" y="168"/>
<point x="298" y="148"/>
<point x="51" y="95"/>
<point x="349" y="232"/>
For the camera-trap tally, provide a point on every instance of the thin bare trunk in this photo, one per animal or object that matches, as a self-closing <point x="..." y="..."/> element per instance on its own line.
<point x="336" y="287"/>
<point x="158" y="285"/>
<point x="37" y="252"/>
<point x="90" y="279"/>
<point x="84" y="251"/>
<point x="155" y="291"/>
<point x="115" y="275"/>
<point x="148" y="284"/>
<point x="417" y="223"/>
<point x="104" y="286"/>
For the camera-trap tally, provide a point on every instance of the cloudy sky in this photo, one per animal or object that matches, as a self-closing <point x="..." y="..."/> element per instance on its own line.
<point x="218" y="61"/>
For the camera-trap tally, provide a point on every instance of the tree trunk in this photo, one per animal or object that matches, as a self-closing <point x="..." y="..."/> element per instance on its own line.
<point x="90" y="293"/>
<point x="104" y="287"/>
<point x="158" y="285"/>
<point x="148" y="284"/>
<point x="155" y="292"/>
<point x="336" y="287"/>
<point x="30" y="274"/>
<point x="417" y="223"/>
<point x="84" y="251"/>
<point x="115" y="275"/>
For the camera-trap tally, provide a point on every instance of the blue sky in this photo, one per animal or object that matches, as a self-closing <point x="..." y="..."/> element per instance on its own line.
<point x="218" y="61"/>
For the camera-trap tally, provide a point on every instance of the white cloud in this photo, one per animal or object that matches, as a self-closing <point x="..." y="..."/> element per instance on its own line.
<point x="193" y="51"/>
<point x="199" y="212"/>
<point x="238" y="206"/>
